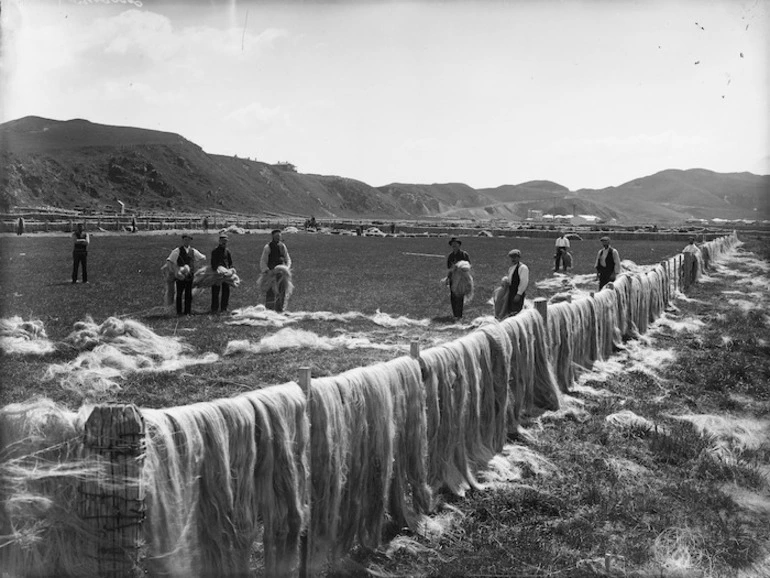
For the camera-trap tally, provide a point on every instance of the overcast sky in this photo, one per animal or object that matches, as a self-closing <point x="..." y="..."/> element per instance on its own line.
<point x="587" y="94"/>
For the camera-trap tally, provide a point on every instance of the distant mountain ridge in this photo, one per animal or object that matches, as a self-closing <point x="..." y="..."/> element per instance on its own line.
<point x="78" y="163"/>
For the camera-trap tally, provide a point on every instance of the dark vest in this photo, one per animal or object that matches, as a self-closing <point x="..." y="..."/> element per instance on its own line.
<point x="609" y="261"/>
<point x="455" y="257"/>
<point x="80" y="248"/>
<point x="275" y="257"/>
<point x="185" y="257"/>
<point x="514" y="288"/>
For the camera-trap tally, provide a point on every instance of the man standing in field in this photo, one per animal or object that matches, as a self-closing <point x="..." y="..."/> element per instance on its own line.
<point x="692" y="262"/>
<point x="221" y="257"/>
<point x="275" y="274"/>
<point x="80" y="253"/>
<point x="562" y="247"/>
<point x="456" y="292"/>
<point x="182" y="261"/>
<point x="516" y="282"/>
<point x="607" y="263"/>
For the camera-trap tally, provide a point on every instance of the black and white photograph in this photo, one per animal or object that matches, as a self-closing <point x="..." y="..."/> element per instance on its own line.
<point x="385" y="288"/>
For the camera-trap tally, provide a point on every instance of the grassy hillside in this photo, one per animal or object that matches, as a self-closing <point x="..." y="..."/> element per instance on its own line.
<point x="695" y="193"/>
<point x="77" y="163"/>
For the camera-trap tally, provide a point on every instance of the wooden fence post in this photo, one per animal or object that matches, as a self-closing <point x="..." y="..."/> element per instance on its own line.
<point x="541" y="304"/>
<point x="112" y="506"/>
<point x="306" y="543"/>
<point x="414" y="349"/>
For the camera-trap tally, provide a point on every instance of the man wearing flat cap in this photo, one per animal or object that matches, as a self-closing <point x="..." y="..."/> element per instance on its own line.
<point x="221" y="257"/>
<point x="457" y="291"/>
<point x="275" y="282"/>
<point x="607" y="263"/>
<point x="182" y="261"/>
<point x="516" y="281"/>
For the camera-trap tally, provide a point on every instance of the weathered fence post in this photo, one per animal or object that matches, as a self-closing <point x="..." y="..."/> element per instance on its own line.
<point x="306" y="544"/>
<point x="541" y="304"/>
<point x="414" y="349"/>
<point x="112" y="505"/>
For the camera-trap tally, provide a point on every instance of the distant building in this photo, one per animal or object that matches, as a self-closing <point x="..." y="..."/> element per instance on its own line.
<point x="534" y="215"/>
<point x="584" y="219"/>
<point x="286" y="166"/>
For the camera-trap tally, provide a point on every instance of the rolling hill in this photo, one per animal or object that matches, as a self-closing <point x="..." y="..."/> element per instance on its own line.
<point x="77" y="163"/>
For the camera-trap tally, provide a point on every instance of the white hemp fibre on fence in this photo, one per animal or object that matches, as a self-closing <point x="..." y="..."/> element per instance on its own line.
<point x="532" y="384"/>
<point x="365" y="419"/>
<point x="213" y="471"/>
<point x="24" y="337"/>
<point x="119" y="348"/>
<point x="41" y="470"/>
<point x="368" y="456"/>
<point x="466" y="387"/>
<point x="446" y="390"/>
<point x="279" y="279"/>
<point x="288" y="338"/>
<point x="607" y="328"/>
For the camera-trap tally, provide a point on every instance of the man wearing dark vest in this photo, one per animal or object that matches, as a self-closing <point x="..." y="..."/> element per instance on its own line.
<point x="221" y="257"/>
<point x="274" y="253"/>
<point x="183" y="261"/>
<point x="80" y="253"/>
<point x="517" y="281"/>
<point x="455" y="256"/>
<point x="607" y="263"/>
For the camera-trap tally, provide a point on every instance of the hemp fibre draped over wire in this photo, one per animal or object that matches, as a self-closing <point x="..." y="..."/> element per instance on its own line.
<point x="213" y="469"/>
<point x="532" y="383"/>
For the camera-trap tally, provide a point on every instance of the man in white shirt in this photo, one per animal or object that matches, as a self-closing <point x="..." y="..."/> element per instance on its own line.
<point x="691" y="247"/>
<point x="274" y="254"/>
<point x="607" y="263"/>
<point x="692" y="262"/>
<point x="562" y="246"/>
<point x="182" y="262"/>
<point x="517" y="280"/>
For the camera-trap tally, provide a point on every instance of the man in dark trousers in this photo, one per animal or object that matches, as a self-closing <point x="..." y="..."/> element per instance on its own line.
<point x="517" y="280"/>
<point x="273" y="254"/>
<point x="456" y="255"/>
<point x="607" y="263"/>
<point x="183" y="261"/>
<point x="80" y="253"/>
<point x="221" y="257"/>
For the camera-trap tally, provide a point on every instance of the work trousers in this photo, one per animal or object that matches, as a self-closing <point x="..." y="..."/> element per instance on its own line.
<point x="184" y="288"/>
<point x="79" y="258"/>
<point x="216" y="304"/>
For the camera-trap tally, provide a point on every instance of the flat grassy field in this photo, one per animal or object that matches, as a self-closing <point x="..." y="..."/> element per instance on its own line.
<point x="398" y="276"/>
